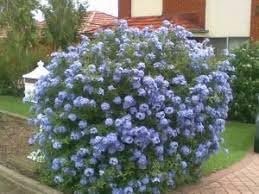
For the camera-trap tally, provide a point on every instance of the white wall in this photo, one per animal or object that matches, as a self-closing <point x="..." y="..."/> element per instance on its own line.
<point x="228" y="18"/>
<point x="141" y="8"/>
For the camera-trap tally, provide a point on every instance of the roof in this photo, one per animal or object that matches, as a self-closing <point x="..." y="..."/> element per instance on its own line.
<point x="95" y="20"/>
<point x="189" y="21"/>
<point x="38" y="72"/>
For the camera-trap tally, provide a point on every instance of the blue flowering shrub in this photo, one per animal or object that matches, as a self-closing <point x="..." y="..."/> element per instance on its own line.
<point x="131" y="111"/>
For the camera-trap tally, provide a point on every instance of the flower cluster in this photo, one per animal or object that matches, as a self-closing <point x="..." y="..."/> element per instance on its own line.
<point x="131" y="111"/>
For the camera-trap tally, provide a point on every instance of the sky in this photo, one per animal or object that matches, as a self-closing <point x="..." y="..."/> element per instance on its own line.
<point x="107" y="6"/>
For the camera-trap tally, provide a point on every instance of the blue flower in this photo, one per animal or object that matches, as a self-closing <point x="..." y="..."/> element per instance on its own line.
<point x="81" y="102"/>
<point x="128" y="190"/>
<point x="72" y="117"/>
<point x="128" y="102"/>
<point x="57" y="145"/>
<point x="105" y="106"/>
<point x="184" y="165"/>
<point x="109" y="122"/>
<point x="89" y="172"/>
<point x="142" y="162"/>
<point x="58" y="179"/>
<point x="75" y="135"/>
<point x="57" y="163"/>
<point x="144" y="107"/>
<point x="82" y="124"/>
<point x="67" y="107"/>
<point x="140" y="116"/>
<point x="60" y="129"/>
<point x="185" y="150"/>
<point x="169" y="110"/>
<point x="93" y="130"/>
<point x="179" y="80"/>
<point x="113" y="161"/>
<point x="117" y="100"/>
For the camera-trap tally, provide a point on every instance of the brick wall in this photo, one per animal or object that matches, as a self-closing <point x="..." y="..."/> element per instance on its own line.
<point x="255" y="21"/>
<point x="181" y="7"/>
<point x="191" y="9"/>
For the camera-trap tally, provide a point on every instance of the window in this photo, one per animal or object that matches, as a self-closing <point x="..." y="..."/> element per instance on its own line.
<point x="141" y="8"/>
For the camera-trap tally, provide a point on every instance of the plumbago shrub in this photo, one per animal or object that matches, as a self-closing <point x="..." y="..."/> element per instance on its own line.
<point x="131" y="111"/>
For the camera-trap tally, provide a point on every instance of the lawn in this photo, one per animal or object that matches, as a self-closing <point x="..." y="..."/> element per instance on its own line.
<point x="238" y="137"/>
<point x="14" y="105"/>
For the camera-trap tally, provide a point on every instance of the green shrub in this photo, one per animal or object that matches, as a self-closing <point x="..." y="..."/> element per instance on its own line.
<point x="16" y="61"/>
<point x="246" y="84"/>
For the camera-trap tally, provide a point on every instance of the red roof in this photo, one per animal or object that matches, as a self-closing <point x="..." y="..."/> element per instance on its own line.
<point x="189" y="21"/>
<point x="95" y="20"/>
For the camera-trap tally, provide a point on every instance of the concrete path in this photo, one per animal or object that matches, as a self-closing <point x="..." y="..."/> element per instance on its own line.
<point x="241" y="178"/>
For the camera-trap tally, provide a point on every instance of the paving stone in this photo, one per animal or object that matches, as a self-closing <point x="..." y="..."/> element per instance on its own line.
<point x="241" y="178"/>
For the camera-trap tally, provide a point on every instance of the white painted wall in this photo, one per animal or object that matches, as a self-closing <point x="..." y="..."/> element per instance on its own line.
<point x="141" y="8"/>
<point x="228" y="18"/>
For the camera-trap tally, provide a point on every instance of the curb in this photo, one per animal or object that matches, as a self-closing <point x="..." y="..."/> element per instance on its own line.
<point x="13" y="115"/>
<point x="26" y="183"/>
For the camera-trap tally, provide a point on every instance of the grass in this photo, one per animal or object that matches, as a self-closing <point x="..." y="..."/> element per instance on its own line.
<point x="14" y="105"/>
<point x="238" y="139"/>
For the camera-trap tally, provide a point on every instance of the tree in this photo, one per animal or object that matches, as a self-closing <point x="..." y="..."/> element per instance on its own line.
<point x="17" y="19"/>
<point x="20" y="50"/>
<point x="63" y="19"/>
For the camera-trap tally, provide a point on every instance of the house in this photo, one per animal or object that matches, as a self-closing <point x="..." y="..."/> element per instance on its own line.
<point x="228" y="23"/>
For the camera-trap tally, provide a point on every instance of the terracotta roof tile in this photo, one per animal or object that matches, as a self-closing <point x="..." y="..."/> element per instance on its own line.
<point x="95" y="20"/>
<point x="189" y="21"/>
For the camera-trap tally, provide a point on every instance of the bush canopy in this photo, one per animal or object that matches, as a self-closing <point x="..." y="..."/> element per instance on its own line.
<point x="131" y="111"/>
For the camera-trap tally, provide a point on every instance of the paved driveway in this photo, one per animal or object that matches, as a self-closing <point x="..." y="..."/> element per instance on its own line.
<point x="241" y="178"/>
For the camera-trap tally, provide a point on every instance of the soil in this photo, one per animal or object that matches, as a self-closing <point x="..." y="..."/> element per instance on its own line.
<point x="14" y="147"/>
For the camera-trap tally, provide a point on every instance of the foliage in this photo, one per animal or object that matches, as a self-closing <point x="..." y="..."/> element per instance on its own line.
<point x="16" y="61"/>
<point x="131" y="111"/>
<point x="246" y="84"/>
<point x="63" y="20"/>
<point x="20" y="50"/>
<point x="16" y="18"/>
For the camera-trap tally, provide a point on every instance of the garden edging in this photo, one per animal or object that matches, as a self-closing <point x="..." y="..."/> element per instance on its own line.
<point x="13" y="114"/>
<point x="25" y="182"/>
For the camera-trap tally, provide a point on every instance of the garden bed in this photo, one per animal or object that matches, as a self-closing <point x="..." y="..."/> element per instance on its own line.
<point x="15" y="132"/>
<point x="14" y="148"/>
